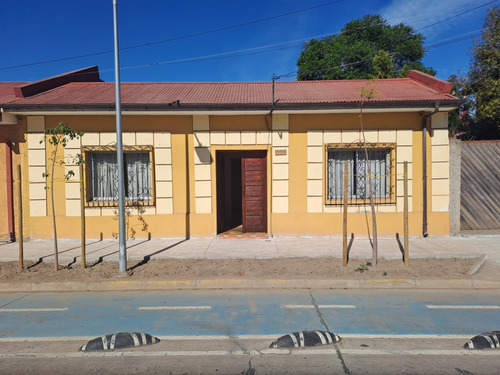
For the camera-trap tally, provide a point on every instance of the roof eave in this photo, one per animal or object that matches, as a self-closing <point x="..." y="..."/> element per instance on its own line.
<point x="183" y="107"/>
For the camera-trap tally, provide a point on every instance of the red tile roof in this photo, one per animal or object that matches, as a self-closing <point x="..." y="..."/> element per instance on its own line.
<point x="417" y="90"/>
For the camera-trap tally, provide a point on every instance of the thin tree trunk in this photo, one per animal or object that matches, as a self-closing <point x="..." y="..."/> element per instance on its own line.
<point x="370" y="188"/>
<point x="372" y="206"/>
<point x="56" y="250"/>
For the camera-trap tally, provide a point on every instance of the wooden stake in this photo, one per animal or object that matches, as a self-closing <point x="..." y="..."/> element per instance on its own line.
<point x="406" y="242"/>
<point x="20" y="209"/>
<point x="82" y="216"/>
<point x="344" y="224"/>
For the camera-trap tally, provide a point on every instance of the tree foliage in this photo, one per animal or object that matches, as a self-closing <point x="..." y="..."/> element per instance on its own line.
<point x="383" y="65"/>
<point x="461" y="121"/>
<point x="484" y="75"/>
<point x="364" y="49"/>
<point x="479" y="115"/>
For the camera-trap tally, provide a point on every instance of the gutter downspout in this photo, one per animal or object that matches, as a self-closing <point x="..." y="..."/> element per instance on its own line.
<point x="424" y="168"/>
<point x="10" y="199"/>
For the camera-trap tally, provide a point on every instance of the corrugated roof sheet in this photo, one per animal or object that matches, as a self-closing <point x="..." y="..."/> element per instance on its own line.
<point x="7" y="93"/>
<point x="419" y="88"/>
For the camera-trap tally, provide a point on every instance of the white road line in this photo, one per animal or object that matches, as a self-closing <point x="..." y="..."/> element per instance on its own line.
<point x="465" y="307"/>
<point x="405" y="336"/>
<point x="34" y="310"/>
<point x="248" y="337"/>
<point x="440" y="352"/>
<point x="302" y="351"/>
<point x="174" y="308"/>
<point x="319" y="306"/>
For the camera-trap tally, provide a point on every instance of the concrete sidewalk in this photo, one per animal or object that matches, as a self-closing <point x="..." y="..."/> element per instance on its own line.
<point x="485" y="247"/>
<point x="389" y="248"/>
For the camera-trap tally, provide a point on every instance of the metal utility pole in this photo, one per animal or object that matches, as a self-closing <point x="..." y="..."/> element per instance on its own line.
<point x="119" y="151"/>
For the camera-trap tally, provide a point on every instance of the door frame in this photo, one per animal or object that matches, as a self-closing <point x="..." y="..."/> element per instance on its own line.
<point x="237" y="154"/>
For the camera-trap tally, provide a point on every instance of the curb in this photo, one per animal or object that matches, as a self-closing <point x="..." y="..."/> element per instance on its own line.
<point x="207" y="284"/>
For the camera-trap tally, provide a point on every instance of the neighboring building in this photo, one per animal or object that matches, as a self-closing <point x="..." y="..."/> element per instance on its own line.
<point x="201" y="158"/>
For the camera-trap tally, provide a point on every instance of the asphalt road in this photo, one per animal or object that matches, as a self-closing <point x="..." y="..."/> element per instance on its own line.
<point x="229" y="332"/>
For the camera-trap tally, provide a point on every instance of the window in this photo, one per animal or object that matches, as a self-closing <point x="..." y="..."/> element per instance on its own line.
<point x="102" y="176"/>
<point x="358" y="190"/>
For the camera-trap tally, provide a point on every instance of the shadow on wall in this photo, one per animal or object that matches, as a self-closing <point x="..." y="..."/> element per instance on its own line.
<point x="131" y="229"/>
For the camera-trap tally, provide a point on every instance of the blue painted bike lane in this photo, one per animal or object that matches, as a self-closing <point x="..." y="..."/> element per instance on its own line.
<point x="411" y="312"/>
<point x="236" y="313"/>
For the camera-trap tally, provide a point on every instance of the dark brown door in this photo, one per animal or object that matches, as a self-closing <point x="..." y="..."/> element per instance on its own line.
<point x="254" y="194"/>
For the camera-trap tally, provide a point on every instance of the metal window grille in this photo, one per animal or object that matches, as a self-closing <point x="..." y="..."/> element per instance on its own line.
<point x="379" y="161"/>
<point x="102" y="187"/>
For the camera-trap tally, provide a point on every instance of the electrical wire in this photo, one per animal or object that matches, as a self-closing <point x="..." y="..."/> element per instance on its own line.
<point x="245" y="52"/>
<point x="440" y="43"/>
<point x="237" y="53"/>
<point x="456" y="15"/>
<point x="176" y="38"/>
<point x="257" y="50"/>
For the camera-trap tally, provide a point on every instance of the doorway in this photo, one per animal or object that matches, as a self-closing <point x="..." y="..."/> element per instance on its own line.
<point x="241" y="191"/>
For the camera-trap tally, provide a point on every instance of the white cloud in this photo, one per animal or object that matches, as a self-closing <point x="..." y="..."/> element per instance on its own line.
<point x="422" y="13"/>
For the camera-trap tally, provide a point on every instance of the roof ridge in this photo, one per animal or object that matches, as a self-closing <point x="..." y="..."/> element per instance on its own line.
<point x="248" y="82"/>
<point x="89" y="74"/>
<point x="173" y="82"/>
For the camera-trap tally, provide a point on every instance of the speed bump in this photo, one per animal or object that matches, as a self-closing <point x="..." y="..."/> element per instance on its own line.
<point x="488" y="340"/>
<point x="305" y="338"/>
<point x="119" y="340"/>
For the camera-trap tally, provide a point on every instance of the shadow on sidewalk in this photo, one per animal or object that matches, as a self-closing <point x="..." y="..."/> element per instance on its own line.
<point x="101" y="258"/>
<point x="40" y="260"/>
<point x="147" y="258"/>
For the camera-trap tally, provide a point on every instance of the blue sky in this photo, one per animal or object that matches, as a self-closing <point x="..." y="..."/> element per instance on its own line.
<point x="219" y="40"/>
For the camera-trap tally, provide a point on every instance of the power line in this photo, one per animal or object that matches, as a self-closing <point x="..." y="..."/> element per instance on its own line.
<point x="176" y="38"/>
<point x="440" y="43"/>
<point x="237" y="53"/>
<point x="455" y="39"/>
<point x="456" y="15"/>
<point x="266" y="48"/>
<point x="254" y="50"/>
<point x="245" y="51"/>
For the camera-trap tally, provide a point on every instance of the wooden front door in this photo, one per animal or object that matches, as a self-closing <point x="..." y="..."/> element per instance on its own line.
<point x="254" y="193"/>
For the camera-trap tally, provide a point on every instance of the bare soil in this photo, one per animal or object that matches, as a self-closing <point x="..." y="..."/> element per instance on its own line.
<point x="283" y="268"/>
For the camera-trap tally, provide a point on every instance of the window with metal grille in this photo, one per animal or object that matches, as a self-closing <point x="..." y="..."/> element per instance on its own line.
<point x="102" y="177"/>
<point x="360" y="171"/>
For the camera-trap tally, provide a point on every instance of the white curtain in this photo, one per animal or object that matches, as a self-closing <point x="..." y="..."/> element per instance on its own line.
<point x="138" y="176"/>
<point x="379" y="168"/>
<point x="336" y="165"/>
<point x="104" y="176"/>
<point x="358" y="182"/>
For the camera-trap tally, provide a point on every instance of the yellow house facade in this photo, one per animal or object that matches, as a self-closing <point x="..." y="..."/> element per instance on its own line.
<point x="202" y="159"/>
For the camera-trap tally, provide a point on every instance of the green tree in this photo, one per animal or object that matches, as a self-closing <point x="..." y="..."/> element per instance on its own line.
<point x="59" y="136"/>
<point x="383" y="65"/>
<point x="461" y="121"/>
<point x="484" y="77"/>
<point x="351" y="53"/>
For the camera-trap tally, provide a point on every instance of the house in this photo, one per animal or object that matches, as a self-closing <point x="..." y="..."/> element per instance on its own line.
<point x="202" y="158"/>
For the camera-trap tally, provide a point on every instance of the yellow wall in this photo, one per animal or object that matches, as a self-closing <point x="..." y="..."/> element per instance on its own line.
<point x="185" y="151"/>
